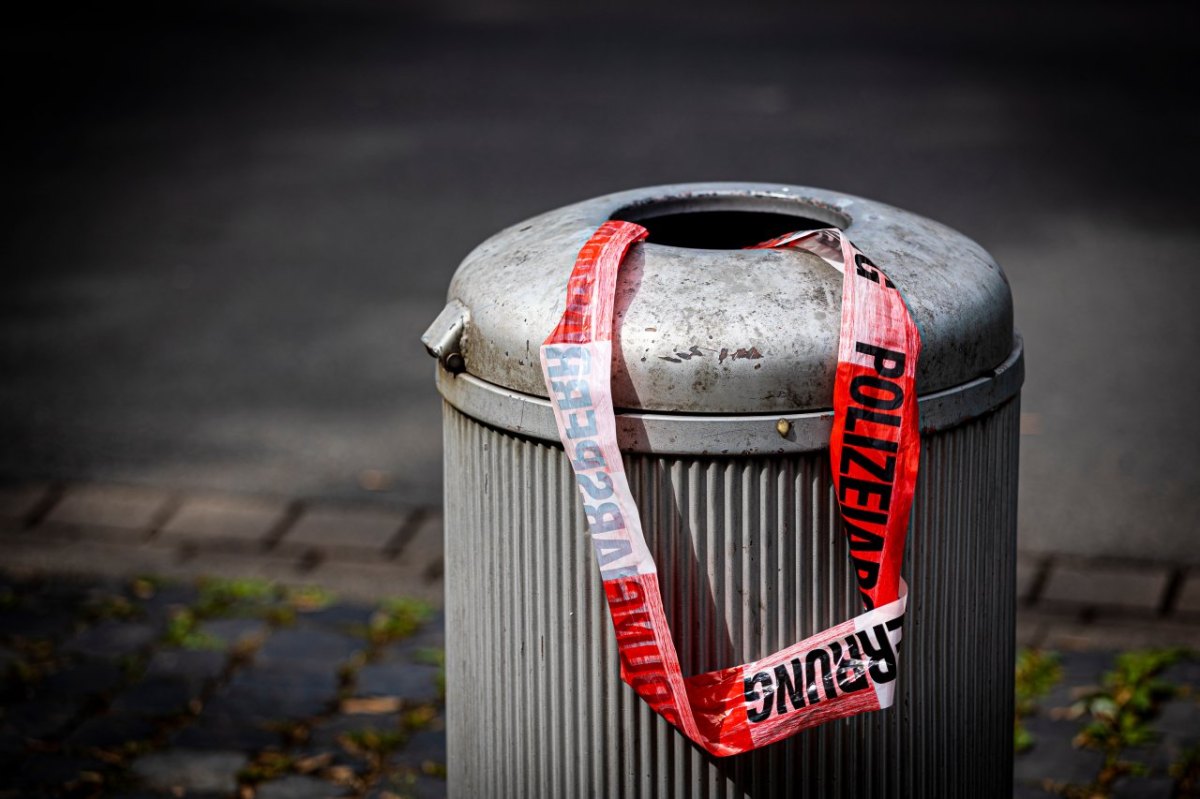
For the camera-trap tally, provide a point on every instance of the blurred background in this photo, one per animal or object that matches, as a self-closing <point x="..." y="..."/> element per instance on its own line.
<point x="226" y="225"/>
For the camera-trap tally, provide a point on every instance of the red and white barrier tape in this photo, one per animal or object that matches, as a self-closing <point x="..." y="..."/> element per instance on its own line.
<point x="875" y="453"/>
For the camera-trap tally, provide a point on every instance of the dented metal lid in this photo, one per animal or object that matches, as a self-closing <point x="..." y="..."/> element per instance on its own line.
<point x="704" y="326"/>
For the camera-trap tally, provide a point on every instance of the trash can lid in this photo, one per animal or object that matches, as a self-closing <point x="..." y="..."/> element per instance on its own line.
<point x="704" y="326"/>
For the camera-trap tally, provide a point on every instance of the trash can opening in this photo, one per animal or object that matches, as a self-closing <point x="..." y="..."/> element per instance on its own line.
<point x="726" y="223"/>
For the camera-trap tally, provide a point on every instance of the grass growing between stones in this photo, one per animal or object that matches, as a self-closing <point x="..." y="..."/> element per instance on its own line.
<point x="113" y="607"/>
<point x="1119" y="712"/>
<point x="1037" y="672"/>
<point x="236" y="598"/>
<point x="268" y="765"/>
<point x="183" y="630"/>
<point x="396" y="619"/>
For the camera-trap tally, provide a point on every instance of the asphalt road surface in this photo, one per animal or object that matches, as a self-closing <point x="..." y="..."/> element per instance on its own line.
<point x="226" y="229"/>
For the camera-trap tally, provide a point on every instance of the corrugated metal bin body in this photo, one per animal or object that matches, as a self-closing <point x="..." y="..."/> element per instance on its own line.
<point x="723" y="365"/>
<point x="752" y="559"/>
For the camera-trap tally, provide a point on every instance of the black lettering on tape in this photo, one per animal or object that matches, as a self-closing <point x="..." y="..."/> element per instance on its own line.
<point x="864" y="268"/>
<point x="880" y="656"/>
<point x="867" y="572"/>
<point x="604" y="518"/>
<point x="581" y="428"/>
<point x="862" y="540"/>
<point x="819" y="657"/>
<point x="569" y="394"/>
<point x="889" y="395"/>
<point x="885" y="472"/>
<point x="611" y="549"/>
<point x="588" y="456"/>
<point x="789" y="686"/>
<point x="883" y="356"/>
<point x="598" y="487"/>
<point x="865" y="490"/>
<point x="564" y="361"/>
<point x="855" y="414"/>
<point x="753" y="695"/>
<point x="867" y="442"/>
<point x="860" y="515"/>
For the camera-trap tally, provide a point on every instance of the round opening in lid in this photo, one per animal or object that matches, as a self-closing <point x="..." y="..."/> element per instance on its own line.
<point x="727" y="222"/>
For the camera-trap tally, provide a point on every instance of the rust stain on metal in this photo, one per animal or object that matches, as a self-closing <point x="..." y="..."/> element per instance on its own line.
<point x="738" y="354"/>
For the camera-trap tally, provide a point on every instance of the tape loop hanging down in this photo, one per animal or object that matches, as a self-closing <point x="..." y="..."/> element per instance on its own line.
<point x="874" y="451"/>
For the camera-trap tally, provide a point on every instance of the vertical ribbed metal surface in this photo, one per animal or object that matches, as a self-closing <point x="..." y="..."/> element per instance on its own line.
<point x="750" y="560"/>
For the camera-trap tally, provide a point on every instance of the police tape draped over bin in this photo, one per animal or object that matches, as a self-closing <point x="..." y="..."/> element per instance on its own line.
<point x="874" y="450"/>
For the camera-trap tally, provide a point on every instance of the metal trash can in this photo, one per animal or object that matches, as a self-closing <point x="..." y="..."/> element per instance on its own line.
<point x="722" y="378"/>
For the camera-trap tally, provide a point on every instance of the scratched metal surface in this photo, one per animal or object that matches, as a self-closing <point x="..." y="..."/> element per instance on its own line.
<point x="750" y="560"/>
<point x="729" y="331"/>
<point x="726" y="434"/>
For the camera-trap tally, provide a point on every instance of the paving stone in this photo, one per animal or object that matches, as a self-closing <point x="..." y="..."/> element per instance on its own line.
<point x="129" y="508"/>
<point x="1187" y="603"/>
<point x="12" y="745"/>
<point x="1179" y="719"/>
<point x="408" y="786"/>
<point x="1031" y="630"/>
<point x="1028" y="569"/>
<point x="231" y="632"/>
<point x="110" y="731"/>
<point x="39" y="719"/>
<point x="190" y="771"/>
<point x="112" y="639"/>
<point x="362" y="532"/>
<point x="1104" y="586"/>
<point x="18" y="501"/>
<point x="423" y="749"/>
<point x="341" y="616"/>
<point x="25" y="622"/>
<point x="1143" y="788"/>
<point x="421" y="562"/>
<point x="67" y="592"/>
<point x="198" y="666"/>
<point x="278" y="568"/>
<point x="334" y="756"/>
<point x="157" y="697"/>
<point x="268" y="694"/>
<point x="220" y="732"/>
<point x="308" y="648"/>
<point x="1053" y="757"/>
<point x="51" y="770"/>
<point x="370" y="581"/>
<point x="166" y="601"/>
<point x="295" y="786"/>
<point x="1156" y="757"/>
<point x="224" y="520"/>
<point x="413" y="683"/>
<point x="37" y="553"/>
<point x="1185" y="672"/>
<point x="326" y="732"/>
<point x="1121" y="634"/>
<point x="1079" y="670"/>
<point x="82" y="680"/>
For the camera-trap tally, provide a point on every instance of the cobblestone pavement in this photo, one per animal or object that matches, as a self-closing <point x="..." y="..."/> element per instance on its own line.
<point x="130" y="670"/>
<point x="142" y="688"/>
